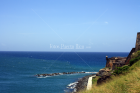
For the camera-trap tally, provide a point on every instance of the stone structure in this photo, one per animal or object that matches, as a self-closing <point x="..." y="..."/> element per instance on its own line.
<point x="137" y="42"/>
<point x="129" y="56"/>
<point x="115" y="61"/>
<point x="137" y="47"/>
<point x="120" y="61"/>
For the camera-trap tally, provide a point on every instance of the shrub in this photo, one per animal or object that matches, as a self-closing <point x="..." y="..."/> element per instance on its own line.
<point x="120" y="70"/>
<point x="132" y="61"/>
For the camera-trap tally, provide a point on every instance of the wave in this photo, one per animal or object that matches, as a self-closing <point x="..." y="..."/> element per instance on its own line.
<point x="91" y="72"/>
<point x="72" y="85"/>
<point x="43" y="77"/>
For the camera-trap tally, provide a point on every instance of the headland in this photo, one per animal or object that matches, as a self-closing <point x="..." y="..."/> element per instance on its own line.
<point x="115" y="67"/>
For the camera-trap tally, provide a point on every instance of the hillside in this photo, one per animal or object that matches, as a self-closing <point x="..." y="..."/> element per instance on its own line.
<point x="125" y="81"/>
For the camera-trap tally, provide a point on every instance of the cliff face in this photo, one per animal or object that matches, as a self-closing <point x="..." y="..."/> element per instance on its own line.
<point x="137" y="47"/>
<point x="120" y="61"/>
<point x="129" y="56"/>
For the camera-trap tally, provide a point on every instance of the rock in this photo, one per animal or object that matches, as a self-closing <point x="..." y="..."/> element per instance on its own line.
<point x="53" y="74"/>
<point x="103" y="78"/>
<point x="102" y="72"/>
<point x="82" y="83"/>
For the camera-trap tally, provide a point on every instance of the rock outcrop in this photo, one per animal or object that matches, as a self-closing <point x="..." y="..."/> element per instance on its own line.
<point x="104" y="75"/>
<point x="102" y="72"/>
<point x="103" y="78"/>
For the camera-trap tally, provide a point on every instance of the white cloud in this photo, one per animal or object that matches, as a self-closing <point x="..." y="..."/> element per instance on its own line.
<point x="106" y="22"/>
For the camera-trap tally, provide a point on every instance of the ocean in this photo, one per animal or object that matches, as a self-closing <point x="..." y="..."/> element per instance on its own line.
<point x="18" y="69"/>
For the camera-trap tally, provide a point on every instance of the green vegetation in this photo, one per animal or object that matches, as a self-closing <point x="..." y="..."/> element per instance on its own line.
<point x="134" y="55"/>
<point x="94" y="80"/>
<point x="121" y="83"/>
<point x="135" y="58"/>
<point x="121" y="70"/>
<point x="135" y="66"/>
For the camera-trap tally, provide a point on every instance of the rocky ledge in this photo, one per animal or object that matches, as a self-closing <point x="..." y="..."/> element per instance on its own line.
<point x="104" y="75"/>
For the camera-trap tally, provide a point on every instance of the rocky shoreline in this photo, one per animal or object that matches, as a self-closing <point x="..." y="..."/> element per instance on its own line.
<point x="79" y="85"/>
<point x="82" y="83"/>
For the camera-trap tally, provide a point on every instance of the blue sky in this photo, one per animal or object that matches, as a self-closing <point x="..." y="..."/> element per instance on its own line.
<point x="69" y="25"/>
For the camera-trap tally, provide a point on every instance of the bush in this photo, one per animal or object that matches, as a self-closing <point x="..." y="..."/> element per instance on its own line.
<point x="132" y="61"/>
<point x="120" y="70"/>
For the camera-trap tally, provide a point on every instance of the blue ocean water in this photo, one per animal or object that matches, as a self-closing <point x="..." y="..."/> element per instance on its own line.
<point x="17" y="69"/>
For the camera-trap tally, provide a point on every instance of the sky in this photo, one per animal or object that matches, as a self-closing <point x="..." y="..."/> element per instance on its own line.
<point x="69" y="25"/>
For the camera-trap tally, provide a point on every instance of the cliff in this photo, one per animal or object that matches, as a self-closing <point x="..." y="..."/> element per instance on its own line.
<point x="120" y="75"/>
<point x="114" y="62"/>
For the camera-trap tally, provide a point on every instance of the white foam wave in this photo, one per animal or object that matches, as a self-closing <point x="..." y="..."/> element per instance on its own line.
<point x="72" y="85"/>
<point x="91" y="72"/>
<point x="60" y="73"/>
<point x="43" y="77"/>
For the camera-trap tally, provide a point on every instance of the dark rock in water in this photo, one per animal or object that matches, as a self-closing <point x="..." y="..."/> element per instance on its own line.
<point x="82" y="83"/>
<point x="53" y="74"/>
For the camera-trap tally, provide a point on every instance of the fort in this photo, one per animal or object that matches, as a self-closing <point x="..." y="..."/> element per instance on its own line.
<point x="114" y="62"/>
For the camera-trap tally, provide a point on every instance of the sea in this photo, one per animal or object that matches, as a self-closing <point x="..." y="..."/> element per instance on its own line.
<point x="18" y="69"/>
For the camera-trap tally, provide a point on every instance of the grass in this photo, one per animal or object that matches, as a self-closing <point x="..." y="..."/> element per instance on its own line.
<point x="134" y="58"/>
<point x="123" y="83"/>
<point x="94" y="80"/>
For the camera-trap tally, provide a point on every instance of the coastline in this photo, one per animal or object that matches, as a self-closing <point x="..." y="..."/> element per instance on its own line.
<point x="82" y="83"/>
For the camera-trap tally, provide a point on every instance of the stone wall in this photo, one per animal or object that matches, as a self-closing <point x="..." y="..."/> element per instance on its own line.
<point x="137" y="42"/>
<point x="118" y="64"/>
<point x="115" y="61"/>
<point x="129" y="56"/>
<point x="110" y="61"/>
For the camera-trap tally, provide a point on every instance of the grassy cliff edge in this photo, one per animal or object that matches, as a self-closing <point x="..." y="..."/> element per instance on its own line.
<point x="128" y="82"/>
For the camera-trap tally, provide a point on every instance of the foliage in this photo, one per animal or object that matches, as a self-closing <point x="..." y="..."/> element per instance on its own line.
<point x="135" y="65"/>
<point x="94" y="80"/>
<point x="134" y="60"/>
<point x="120" y="70"/>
